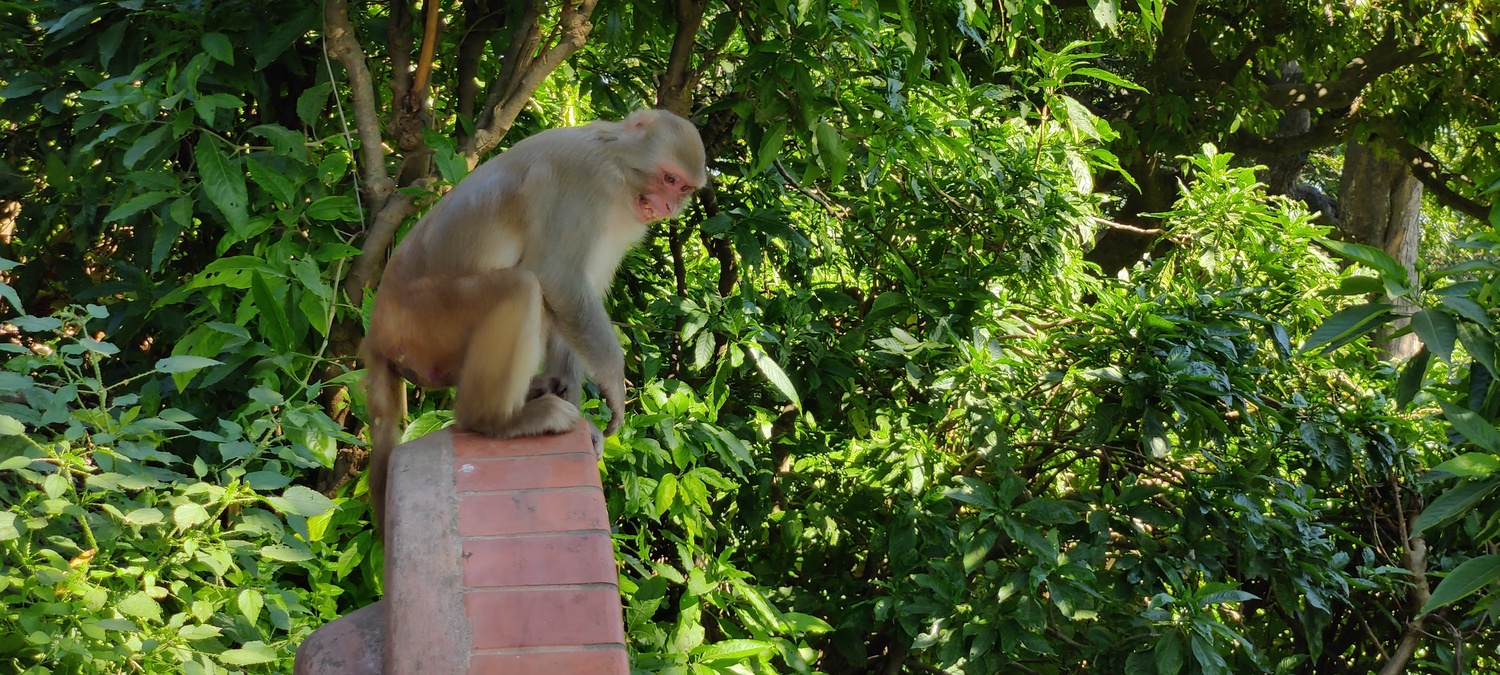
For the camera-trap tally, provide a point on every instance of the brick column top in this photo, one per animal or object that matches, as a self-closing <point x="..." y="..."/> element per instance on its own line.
<point x="498" y="560"/>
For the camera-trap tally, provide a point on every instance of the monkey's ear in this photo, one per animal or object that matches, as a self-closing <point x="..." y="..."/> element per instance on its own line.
<point x="638" y="120"/>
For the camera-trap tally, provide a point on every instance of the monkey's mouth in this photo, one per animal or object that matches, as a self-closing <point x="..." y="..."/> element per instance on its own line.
<point x="649" y="210"/>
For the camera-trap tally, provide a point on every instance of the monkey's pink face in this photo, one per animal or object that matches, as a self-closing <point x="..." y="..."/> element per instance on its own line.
<point x="665" y="195"/>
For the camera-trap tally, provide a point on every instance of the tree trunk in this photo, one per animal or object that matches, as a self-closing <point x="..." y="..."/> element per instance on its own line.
<point x="1378" y="205"/>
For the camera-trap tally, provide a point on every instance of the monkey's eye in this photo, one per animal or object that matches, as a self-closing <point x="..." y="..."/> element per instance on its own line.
<point x="671" y="180"/>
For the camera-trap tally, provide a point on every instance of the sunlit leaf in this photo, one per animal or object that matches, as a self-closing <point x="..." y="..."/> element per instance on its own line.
<point x="1472" y="575"/>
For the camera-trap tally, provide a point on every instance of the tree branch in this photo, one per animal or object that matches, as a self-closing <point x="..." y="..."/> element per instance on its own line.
<point x="343" y="46"/>
<point x="1426" y="168"/>
<point x="481" y="22"/>
<point x="1355" y="76"/>
<point x="676" y="90"/>
<point x="1415" y="561"/>
<point x="1328" y="130"/>
<point x="573" y="29"/>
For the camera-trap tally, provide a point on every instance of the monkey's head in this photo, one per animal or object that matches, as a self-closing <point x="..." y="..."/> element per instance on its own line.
<point x="664" y="162"/>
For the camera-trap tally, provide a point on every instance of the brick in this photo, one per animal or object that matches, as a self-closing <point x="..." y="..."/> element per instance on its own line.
<point x="468" y="445"/>
<point x="565" y="617"/>
<point x="551" y="560"/>
<point x="563" y="470"/>
<point x="532" y="512"/>
<point x="590" y="661"/>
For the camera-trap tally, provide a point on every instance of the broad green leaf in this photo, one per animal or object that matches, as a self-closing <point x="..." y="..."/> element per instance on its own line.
<point x="1470" y="465"/>
<point x="1472" y="575"/>
<point x="1391" y="272"/>
<point x="1170" y="656"/>
<point x="218" y="47"/>
<point x="8" y="528"/>
<point x="302" y="501"/>
<point x="1413" y="374"/>
<point x="732" y="651"/>
<point x="223" y="182"/>
<point x="1468" y="309"/>
<point x="146" y="143"/>
<point x="1480" y="345"/>
<point x="136" y="204"/>
<point x="1454" y="503"/>
<point x="146" y="516"/>
<point x="9" y="426"/>
<point x="806" y="623"/>
<point x="1106" y="76"/>
<point x="189" y="515"/>
<point x="185" y="364"/>
<point x="273" y="321"/>
<point x="774" y="374"/>
<point x="140" y="606"/>
<point x="252" y="653"/>
<point x="284" y="553"/>
<point x="1437" y="330"/>
<point x="250" y="603"/>
<point x="1210" y="661"/>
<point x="666" y="490"/>
<point x="1358" y="285"/>
<point x="1472" y="426"/>
<point x="1348" y="323"/>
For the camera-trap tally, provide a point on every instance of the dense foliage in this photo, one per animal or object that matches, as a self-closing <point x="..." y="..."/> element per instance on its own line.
<point x="887" y="416"/>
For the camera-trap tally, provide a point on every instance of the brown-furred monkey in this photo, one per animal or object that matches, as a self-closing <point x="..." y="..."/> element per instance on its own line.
<point x="509" y="269"/>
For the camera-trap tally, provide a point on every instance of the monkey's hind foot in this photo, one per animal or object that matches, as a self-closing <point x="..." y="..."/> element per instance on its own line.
<point x="546" y="414"/>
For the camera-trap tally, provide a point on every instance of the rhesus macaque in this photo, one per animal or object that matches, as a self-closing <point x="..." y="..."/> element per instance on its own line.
<point x="508" y="271"/>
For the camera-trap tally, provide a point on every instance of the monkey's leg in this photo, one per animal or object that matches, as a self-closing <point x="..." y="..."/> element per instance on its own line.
<point x="504" y="351"/>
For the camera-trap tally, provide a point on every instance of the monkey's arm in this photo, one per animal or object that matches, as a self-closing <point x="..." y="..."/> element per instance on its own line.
<point x="580" y="317"/>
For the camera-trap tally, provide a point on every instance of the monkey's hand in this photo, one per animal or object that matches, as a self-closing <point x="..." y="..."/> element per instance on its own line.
<point x="614" y="396"/>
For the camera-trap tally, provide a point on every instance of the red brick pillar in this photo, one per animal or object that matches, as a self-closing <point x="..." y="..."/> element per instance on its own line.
<point x="498" y="561"/>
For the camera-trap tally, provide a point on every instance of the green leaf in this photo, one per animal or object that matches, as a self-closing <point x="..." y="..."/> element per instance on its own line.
<point x="252" y="653"/>
<point x="831" y="151"/>
<point x="1480" y="345"/>
<point x="1391" y="272"/>
<point x="1347" y="324"/>
<point x="1413" y="374"/>
<point x="1454" y="503"/>
<point x="1106" y="76"/>
<point x="733" y="651"/>
<point x="189" y="515"/>
<point x="185" y="364"/>
<point x="146" y="143"/>
<point x="8" y="528"/>
<point x="136" y="204"/>
<point x="302" y="501"/>
<point x="666" y="490"/>
<point x="224" y="183"/>
<point x="1170" y="656"/>
<point x="806" y="623"/>
<point x="774" y="374"/>
<point x="1470" y="465"/>
<point x="1472" y="426"/>
<point x="284" y="553"/>
<point x="1468" y="309"/>
<point x="218" y="47"/>
<point x="1472" y="575"/>
<point x="336" y="207"/>
<point x="1437" y="330"/>
<point x="9" y="426"/>
<point x="250" y="603"/>
<point x="273" y="321"/>
<point x="1358" y="285"/>
<point x="140" y="606"/>
<point x="146" y="516"/>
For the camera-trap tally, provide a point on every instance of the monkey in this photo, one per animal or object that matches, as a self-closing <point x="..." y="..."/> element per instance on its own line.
<point x="507" y="272"/>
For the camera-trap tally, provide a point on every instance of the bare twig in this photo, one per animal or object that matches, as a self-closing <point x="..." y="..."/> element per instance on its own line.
<point x="1415" y="560"/>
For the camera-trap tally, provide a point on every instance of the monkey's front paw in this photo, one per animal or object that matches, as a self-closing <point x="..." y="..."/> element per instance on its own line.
<point x="597" y="437"/>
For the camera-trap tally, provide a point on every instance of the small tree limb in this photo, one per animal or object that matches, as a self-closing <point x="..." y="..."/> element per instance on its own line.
<point x="1359" y="72"/>
<point x="1427" y="169"/>
<point x="344" y="47"/>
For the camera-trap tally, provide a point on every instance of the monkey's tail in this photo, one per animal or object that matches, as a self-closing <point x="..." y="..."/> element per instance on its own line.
<point x="385" y="396"/>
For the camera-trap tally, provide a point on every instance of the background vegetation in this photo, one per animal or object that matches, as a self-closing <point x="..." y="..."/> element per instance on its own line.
<point x="1011" y="337"/>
